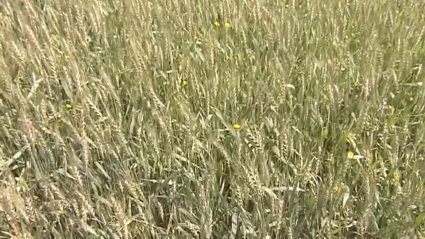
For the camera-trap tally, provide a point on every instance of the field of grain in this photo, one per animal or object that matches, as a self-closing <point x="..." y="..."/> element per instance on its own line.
<point x="212" y="119"/>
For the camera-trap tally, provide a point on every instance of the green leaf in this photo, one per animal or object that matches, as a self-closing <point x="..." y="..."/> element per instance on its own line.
<point x="419" y="219"/>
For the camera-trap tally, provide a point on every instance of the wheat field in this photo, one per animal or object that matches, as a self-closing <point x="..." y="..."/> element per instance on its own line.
<point x="204" y="119"/>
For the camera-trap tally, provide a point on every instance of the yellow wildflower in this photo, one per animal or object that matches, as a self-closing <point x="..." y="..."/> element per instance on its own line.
<point x="390" y="107"/>
<point x="287" y="5"/>
<point x="237" y="126"/>
<point x="337" y="190"/>
<point x="350" y="155"/>
<point x="227" y="25"/>
<point x="184" y="83"/>
<point x="396" y="178"/>
<point x="217" y="24"/>
<point x="68" y="106"/>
